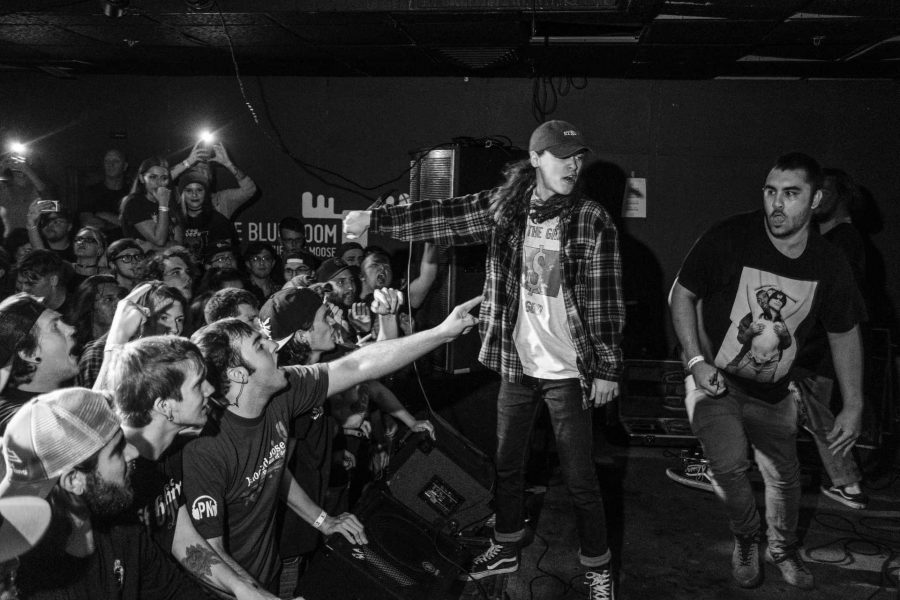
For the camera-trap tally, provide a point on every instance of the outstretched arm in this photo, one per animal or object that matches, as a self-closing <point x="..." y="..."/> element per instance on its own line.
<point x="381" y="358"/>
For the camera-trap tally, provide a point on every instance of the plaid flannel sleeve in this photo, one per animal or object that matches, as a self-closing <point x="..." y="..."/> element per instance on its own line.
<point x="605" y="305"/>
<point x="460" y="221"/>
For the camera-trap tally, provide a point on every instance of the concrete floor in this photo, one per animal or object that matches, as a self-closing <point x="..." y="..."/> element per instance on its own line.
<point x="672" y="542"/>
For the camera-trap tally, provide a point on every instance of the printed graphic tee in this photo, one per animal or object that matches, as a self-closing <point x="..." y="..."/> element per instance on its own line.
<point x="232" y="477"/>
<point x="158" y="492"/>
<point x="542" y="335"/>
<point x="760" y="306"/>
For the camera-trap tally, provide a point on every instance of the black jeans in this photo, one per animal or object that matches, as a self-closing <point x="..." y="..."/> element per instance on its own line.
<point x="517" y="409"/>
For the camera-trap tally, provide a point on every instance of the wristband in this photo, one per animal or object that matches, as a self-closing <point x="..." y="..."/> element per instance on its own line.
<point x="163" y="209"/>
<point x="186" y="164"/>
<point x="697" y="359"/>
<point x="318" y="522"/>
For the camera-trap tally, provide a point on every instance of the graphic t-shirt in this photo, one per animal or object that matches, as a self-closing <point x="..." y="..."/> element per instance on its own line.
<point x="203" y="230"/>
<point x="542" y="335"/>
<point x="137" y="209"/>
<point x="232" y="477"/>
<point x="760" y="306"/>
<point x="159" y="492"/>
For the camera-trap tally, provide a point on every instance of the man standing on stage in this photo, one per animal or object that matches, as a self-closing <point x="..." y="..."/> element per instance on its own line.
<point x="551" y="324"/>
<point x="766" y="278"/>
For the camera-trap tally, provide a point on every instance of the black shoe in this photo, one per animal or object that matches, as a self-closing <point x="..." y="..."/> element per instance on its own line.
<point x="600" y="584"/>
<point x="745" y="561"/>
<point x="694" y="471"/>
<point x="496" y="560"/>
<point x="792" y="567"/>
<point x="840" y="494"/>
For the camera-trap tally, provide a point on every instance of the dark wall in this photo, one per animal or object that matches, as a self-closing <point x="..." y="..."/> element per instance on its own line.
<point x="704" y="147"/>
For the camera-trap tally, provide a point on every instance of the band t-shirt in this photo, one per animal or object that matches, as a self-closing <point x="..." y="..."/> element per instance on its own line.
<point x="158" y="492"/>
<point x="232" y="476"/>
<point x="759" y="306"/>
<point x="542" y="337"/>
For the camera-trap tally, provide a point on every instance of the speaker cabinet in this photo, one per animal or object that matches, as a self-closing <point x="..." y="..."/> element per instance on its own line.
<point x="444" y="173"/>
<point x="404" y="559"/>
<point x="448" y="482"/>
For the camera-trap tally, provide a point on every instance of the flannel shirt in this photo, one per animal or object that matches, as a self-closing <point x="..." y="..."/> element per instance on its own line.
<point x="592" y="277"/>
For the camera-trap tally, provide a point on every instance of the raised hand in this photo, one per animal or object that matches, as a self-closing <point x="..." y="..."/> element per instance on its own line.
<point x="459" y="321"/>
<point x="356" y="223"/>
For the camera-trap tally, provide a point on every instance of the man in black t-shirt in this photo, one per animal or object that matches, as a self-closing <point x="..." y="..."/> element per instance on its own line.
<point x="99" y="203"/>
<point x="234" y="475"/>
<point x="160" y="390"/>
<point x="765" y="280"/>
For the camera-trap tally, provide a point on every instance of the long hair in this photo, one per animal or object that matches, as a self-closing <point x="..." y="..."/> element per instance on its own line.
<point x="509" y="202"/>
<point x="137" y="186"/>
<point x="81" y="313"/>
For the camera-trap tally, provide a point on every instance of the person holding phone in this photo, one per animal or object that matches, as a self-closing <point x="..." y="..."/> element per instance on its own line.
<point x="20" y="185"/>
<point x="225" y="201"/>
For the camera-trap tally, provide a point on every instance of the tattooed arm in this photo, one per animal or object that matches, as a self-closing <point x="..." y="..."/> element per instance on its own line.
<point x="211" y="564"/>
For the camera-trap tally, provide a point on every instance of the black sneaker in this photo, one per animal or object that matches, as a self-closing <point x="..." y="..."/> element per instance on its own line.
<point x="496" y="560"/>
<point x="745" y="561"/>
<point x="600" y="585"/>
<point x="840" y="494"/>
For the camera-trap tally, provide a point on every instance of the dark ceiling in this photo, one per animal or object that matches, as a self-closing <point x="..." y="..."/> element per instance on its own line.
<point x="655" y="39"/>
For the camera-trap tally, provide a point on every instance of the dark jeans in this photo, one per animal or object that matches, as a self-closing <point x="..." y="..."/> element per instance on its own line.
<point x="517" y="409"/>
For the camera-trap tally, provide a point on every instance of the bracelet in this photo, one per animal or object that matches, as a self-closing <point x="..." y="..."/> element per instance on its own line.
<point x="697" y="359"/>
<point x="186" y="164"/>
<point x="163" y="209"/>
<point x="318" y="522"/>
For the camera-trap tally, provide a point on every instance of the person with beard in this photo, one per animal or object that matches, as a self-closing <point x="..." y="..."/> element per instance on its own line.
<point x="50" y="230"/>
<point x="203" y="224"/>
<point x="775" y="247"/>
<point x="42" y="349"/>
<point x="93" y="308"/>
<point x="67" y="446"/>
<point x="551" y="325"/>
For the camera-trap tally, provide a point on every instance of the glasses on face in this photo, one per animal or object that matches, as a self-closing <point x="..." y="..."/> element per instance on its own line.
<point x="261" y="258"/>
<point x="129" y="258"/>
<point x="81" y="239"/>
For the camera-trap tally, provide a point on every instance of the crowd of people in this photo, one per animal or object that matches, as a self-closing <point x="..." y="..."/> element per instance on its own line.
<point x="196" y="415"/>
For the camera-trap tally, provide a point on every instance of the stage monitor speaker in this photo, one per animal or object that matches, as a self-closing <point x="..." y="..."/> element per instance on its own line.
<point x="404" y="559"/>
<point x="443" y="173"/>
<point x="447" y="481"/>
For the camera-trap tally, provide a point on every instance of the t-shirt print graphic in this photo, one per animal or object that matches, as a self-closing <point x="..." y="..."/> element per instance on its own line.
<point x="540" y="267"/>
<point x="767" y="310"/>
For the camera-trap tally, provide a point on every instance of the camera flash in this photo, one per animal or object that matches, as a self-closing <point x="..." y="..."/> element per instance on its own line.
<point x="206" y="136"/>
<point x="18" y="147"/>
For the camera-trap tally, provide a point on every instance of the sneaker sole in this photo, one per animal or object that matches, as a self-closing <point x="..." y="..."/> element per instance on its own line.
<point x="483" y="574"/>
<point x="689" y="482"/>
<point x="845" y="501"/>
